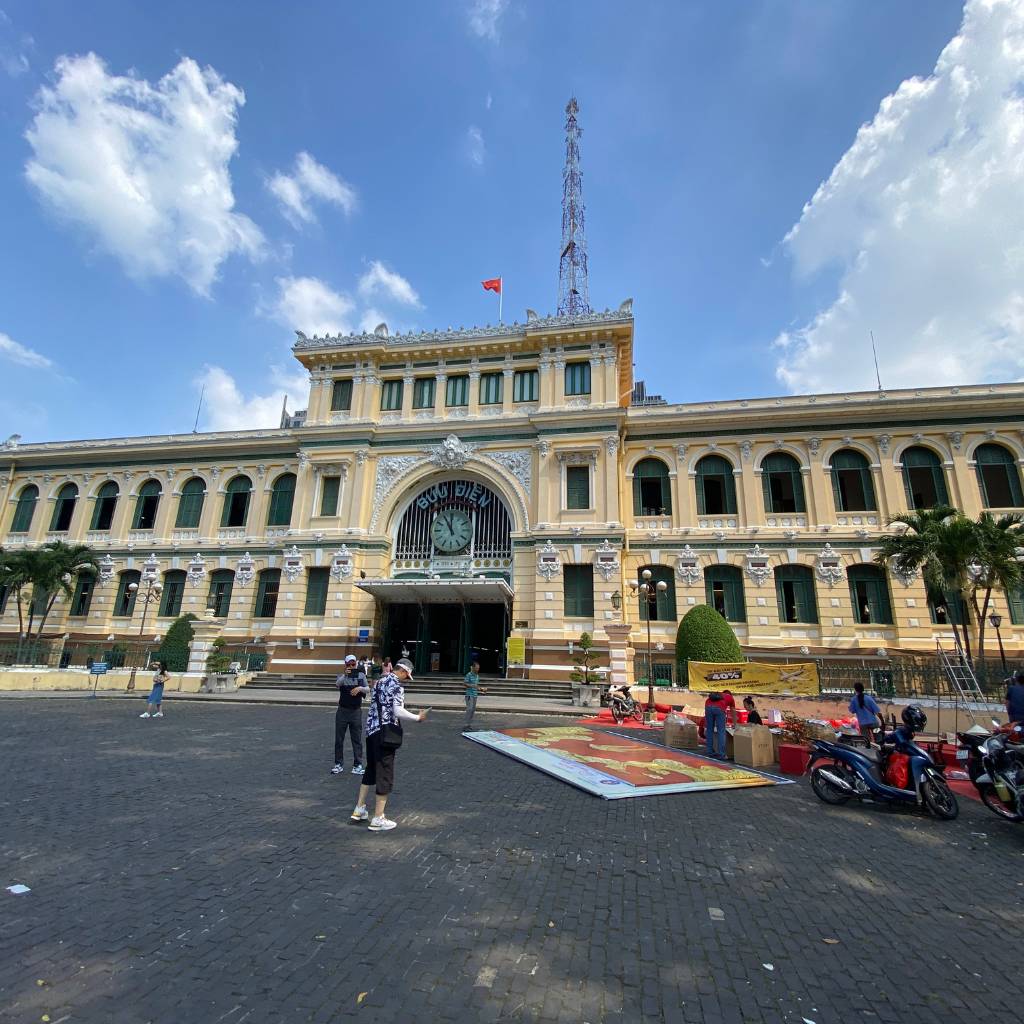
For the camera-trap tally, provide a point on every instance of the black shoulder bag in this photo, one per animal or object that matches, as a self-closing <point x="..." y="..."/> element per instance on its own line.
<point x="391" y="735"/>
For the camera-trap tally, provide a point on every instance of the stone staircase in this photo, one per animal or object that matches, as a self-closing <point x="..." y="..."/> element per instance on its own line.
<point x="540" y="689"/>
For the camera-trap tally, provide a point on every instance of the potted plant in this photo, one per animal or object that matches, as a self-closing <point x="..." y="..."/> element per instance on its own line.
<point x="586" y="676"/>
<point x="218" y="663"/>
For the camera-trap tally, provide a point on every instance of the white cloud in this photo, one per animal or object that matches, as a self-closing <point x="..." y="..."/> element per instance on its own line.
<point x="923" y="219"/>
<point x="14" y="48"/>
<point x="475" y="148"/>
<point x="16" y="353"/>
<point x="488" y="103"/>
<point x="309" y="305"/>
<point x="225" y="407"/>
<point x="484" y="16"/>
<point x="310" y="181"/>
<point x="143" y="168"/>
<point x="379" y="279"/>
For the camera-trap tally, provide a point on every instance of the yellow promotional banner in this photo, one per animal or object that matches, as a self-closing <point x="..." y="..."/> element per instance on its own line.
<point x="750" y="677"/>
<point x="517" y="650"/>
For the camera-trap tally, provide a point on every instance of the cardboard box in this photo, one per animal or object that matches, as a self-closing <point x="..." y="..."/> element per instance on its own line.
<point x="681" y="733"/>
<point x="753" y="746"/>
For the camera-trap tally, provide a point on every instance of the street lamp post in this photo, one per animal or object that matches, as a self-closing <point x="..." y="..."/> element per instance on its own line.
<point x="647" y="590"/>
<point x="997" y="621"/>
<point x="152" y="592"/>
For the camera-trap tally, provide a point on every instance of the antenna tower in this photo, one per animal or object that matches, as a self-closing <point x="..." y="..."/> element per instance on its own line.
<point x="573" y="288"/>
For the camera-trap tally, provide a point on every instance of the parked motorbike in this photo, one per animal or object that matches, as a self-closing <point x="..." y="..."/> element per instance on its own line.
<point x="898" y="772"/>
<point x="995" y="764"/>
<point x="623" y="706"/>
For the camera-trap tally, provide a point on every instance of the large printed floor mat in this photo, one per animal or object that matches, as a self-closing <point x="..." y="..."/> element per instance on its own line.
<point x="614" y="767"/>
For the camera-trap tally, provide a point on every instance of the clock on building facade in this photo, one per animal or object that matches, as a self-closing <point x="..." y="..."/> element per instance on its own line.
<point x="451" y="531"/>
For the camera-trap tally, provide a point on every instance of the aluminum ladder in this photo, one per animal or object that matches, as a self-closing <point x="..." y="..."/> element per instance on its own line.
<point x="960" y="674"/>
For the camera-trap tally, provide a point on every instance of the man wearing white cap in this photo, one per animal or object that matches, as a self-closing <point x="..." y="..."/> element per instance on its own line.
<point x="349" y="716"/>
<point x="383" y="738"/>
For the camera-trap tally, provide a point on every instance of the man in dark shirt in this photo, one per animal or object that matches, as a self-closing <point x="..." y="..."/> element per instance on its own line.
<point x="1015" y="697"/>
<point x="349" y="716"/>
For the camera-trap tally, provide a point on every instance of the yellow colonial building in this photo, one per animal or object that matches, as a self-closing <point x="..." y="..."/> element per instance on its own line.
<point x="449" y="490"/>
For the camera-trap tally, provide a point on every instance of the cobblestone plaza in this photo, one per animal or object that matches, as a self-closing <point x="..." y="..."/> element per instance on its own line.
<point x="202" y="869"/>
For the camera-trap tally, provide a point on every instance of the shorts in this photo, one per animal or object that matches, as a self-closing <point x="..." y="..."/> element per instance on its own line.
<point x="380" y="766"/>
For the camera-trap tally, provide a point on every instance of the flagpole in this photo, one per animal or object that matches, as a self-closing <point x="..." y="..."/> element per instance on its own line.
<point x="501" y="294"/>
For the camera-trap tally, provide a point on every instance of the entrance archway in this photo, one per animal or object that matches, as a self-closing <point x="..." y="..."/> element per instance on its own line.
<point x="448" y="599"/>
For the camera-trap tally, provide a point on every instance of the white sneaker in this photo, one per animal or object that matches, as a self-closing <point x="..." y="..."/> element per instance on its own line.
<point x="159" y="714"/>
<point x="359" y="814"/>
<point x="381" y="825"/>
<point x="358" y="769"/>
<point x="337" y="769"/>
<point x="145" y="714"/>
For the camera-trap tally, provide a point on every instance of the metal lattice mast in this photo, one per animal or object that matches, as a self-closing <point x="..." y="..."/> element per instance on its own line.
<point x="573" y="288"/>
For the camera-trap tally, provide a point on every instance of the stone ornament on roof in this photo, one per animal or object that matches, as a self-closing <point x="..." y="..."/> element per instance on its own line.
<point x="305" y="343"/>
<point x="451" y="453"/>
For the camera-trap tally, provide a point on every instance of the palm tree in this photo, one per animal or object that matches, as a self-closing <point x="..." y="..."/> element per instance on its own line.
<point x="58" y="566"/>
<point x="16" y="571"/>
<point x="940" y="543"/>
<point x="996" y="563"/>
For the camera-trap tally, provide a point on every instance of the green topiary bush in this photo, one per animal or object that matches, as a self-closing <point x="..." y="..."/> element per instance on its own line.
<point x="703" y="635"/>
<point x="173" y="652"/>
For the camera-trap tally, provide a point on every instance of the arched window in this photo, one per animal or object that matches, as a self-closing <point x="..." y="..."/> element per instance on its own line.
<point x="723" y="591"/>
<point x="282" y="497"/>
<point x="652" y="493"/>
<point x="852" y="486"/>
<point x="1015" y="602"/>
<point x="106" y="504"/>
<point x="923" y="478"/>
<point x="783" y="484"/>
<point x="64" y="508"/>
<point x="174" y="591"/>
<point x="716" y="487"/>
<point x="266" y="594"/>
<point x="146" y="505"/>
<point x="236" y="501"/>
<point x="869" y="594"/>
<point x="659" y="605"/>
<point x="221" y="584"/>
<point x="794" y="590"/>
<point x="124" y="603"/>
<point x="85" y="584"/>
<point x="998" y="477"/>
<point x="946" y="608"/>
<point x="26" y="509"/>
<point x="190" y="504"/>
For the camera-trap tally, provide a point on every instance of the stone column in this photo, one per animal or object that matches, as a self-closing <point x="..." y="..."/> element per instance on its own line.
<point x="507" y="387"/>
<point x="440" y="387"/>
<point x="407" y="386"/>
<point x="204" y="632"/>
<point x="620" y="653"/>
<point x="474" y="393"/>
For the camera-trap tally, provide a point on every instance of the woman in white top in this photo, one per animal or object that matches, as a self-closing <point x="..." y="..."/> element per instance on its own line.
<point x="156" y="695"/>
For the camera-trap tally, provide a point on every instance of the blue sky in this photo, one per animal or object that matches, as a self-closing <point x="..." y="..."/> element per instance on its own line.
<point x="160" y="231"/>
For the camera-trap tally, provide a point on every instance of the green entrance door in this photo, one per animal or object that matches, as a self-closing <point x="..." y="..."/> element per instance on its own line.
<point x="444" y="638"/>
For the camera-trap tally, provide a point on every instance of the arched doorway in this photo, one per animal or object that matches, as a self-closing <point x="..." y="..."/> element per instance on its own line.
<point x="448" y="599"/>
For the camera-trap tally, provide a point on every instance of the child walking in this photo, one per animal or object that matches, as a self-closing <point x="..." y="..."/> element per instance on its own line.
<point x="473" y="690"/>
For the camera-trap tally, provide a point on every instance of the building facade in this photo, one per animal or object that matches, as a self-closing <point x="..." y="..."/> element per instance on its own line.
<point x="449" y="490"/>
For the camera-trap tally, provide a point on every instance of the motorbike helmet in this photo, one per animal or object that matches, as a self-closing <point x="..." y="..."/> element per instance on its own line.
<point x="914" y="718"/>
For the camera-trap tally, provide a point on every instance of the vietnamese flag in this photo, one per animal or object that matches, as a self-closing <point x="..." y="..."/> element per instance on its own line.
<point x="492" y="285"/>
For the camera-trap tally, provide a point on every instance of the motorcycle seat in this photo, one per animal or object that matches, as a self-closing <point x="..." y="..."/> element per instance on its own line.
<point x="871" y="753"/>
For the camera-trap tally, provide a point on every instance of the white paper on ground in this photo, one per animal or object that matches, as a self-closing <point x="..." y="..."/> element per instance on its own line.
<point x="18" y="889"/>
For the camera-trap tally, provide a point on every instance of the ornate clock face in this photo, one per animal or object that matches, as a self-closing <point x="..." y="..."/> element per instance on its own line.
<point x="451" y="531"/>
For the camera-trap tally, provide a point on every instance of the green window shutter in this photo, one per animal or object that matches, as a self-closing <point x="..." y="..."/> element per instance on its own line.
<point x="341" y="396"/>
<point x="82" y="599"/>
<point x="423" y="393"/>
<point x="391" y="396"/>
<point x="577" y="378"/>
<point x="174" y="590"/>
<point x="490" y="389"/>
<point x="578" y="583"/>
<point x="266" y="594"/>
<point x="1015" y="600"/>
<point x="637" y="499"/>
<point x="316" y="592"/>
<point x="146" y="504"/>
<point x="281" y="500"/>
<point x="221" y="585"/>
<point x="731" y="580"/>
<point x="666" y="602"/>
<point x="807" y="605"/>
<point x="577" y="487"/>
<point x="190" y="505"/>
<point x="104" y="507"/>
<point x="942" y="495"/>
<point x="64" y="508"/>
<point x="331" y="487"/>
<point x="25" y="510"/>
<point x="525" y="386"/>
<point x="457" y="393"/>
<point x="236" y="502"/>
<point x="124" y="603"/>
<point x="993" y="463"/>
<point x="871" y="583"/>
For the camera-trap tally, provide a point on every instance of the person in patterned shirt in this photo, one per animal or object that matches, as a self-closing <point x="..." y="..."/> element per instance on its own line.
<point x="387" y="708"/>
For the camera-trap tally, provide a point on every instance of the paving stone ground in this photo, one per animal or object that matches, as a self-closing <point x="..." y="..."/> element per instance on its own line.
<point x="201" y="868"/>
